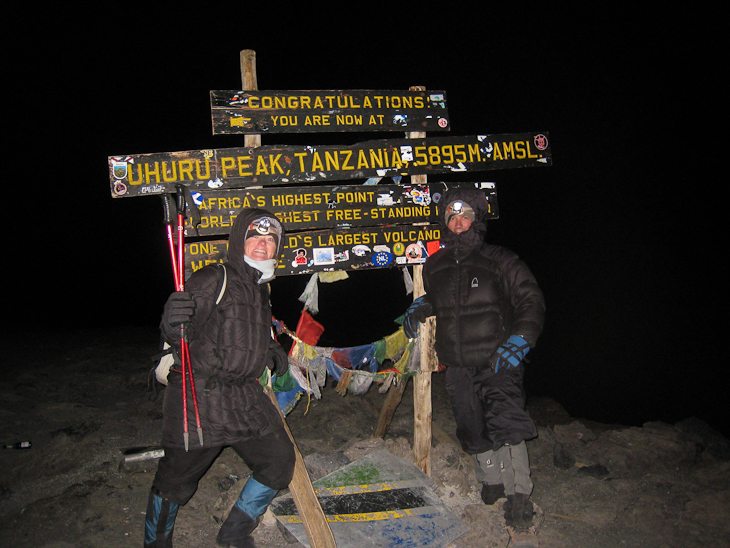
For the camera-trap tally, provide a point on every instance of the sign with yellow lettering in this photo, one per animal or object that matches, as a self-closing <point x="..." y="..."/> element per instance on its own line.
<point x="158" y="173"/>
<point x="306" y="208"/>
<point x="335" y="249"/>
<point x="260" y="112"/>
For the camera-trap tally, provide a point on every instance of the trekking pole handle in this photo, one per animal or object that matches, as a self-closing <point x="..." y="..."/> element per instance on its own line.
<point x="180" y="199"/>
<point x="167" y="204"/>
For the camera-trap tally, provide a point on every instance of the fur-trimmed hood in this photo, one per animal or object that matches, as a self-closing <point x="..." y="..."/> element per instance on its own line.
<point x="477" y="200"/>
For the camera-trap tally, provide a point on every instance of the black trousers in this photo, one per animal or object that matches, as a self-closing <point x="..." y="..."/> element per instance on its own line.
<point x="489" y="408"/>
<point x="270" y="457"/>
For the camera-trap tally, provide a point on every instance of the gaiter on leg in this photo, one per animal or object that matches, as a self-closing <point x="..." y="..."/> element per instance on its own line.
<point x="160" y="521"/>
<point x="255" y="497"/>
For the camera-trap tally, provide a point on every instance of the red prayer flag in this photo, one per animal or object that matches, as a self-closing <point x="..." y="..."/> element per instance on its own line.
<point x="309" y="330"/>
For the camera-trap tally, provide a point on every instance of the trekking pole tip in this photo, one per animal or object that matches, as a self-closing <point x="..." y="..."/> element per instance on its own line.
<point x="186" y="440"/>
<point x="200" y="436"/>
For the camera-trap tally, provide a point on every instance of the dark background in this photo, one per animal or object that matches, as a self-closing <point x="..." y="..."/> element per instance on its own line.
<point x="622" y="232"/>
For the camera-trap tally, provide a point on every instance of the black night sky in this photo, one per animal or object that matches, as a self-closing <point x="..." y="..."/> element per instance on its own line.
<point x="622" y="231"/>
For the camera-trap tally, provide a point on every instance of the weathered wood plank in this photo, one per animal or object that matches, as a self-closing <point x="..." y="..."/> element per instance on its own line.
<point x="314" y="111"/>
<point x="422" y="382"/>
<point x="158" y="173"/>
<point x="335" y="249"/>
<point x="306" y="208"/>
<point x="302" y="491"/>
<point x="392" y="400"/>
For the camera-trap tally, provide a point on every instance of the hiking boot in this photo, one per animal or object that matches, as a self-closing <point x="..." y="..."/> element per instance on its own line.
<point x="518" y="511"/>
<point x="236" y="530"/>
<point x="491" y="493"/>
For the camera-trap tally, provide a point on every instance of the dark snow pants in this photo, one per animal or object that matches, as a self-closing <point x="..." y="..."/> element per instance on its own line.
<point x="489" y="408"/>
<point x="270" y="457"/>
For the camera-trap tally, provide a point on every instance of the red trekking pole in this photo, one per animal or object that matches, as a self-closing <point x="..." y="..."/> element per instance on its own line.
<point x="167" y="205"/>
<point x="186" y="365"/>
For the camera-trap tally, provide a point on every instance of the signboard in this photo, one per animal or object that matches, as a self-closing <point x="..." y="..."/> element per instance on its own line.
<point x="335" y="249"/>
<point x="305" y="208"/>
<point x="158" y="173"/>
<point x="259" y="112"/>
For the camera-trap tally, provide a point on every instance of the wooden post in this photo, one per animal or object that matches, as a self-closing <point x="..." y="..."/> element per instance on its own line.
<point x="422" y="407"/>
<point x="249" y="81"/>
<point x="305" y="497"/>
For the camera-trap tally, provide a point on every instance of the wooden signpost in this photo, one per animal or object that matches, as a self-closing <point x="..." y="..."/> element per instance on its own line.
<point x="339" y="226"/>
<point x="427" y="363"/>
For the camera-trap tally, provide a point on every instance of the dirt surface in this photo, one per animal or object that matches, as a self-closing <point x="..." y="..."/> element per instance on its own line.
<point x="83" y="399"/>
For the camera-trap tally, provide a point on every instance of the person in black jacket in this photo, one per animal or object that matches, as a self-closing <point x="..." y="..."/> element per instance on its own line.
<point x="489" y="314"/>
<point x="230" y="345"/>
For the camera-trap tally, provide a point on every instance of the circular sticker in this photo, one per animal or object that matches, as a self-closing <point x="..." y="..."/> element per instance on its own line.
<point x="399" y="248"/>
<point x="120" y="189"/>
<point x="541" y="141"/>
<point x="414" y="253"/>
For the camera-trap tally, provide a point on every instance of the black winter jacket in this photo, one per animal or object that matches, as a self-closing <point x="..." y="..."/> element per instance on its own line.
<point x="481" y="293"/>
<point x="228" y="347"/>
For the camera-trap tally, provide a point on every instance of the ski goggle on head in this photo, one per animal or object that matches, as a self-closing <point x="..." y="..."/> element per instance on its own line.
<point x="264" y="226"/>
<point x="457" y="207"/>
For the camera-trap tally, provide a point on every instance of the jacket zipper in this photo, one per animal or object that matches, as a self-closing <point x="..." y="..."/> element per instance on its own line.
<point x="457" y="318"/>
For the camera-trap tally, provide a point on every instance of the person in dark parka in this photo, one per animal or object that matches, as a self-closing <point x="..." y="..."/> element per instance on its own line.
<point x="489" y="313"/>
<point x="230" y="345"/>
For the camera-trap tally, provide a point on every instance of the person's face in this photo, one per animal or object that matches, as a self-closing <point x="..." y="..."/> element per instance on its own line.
<point x="459" y="224"/>
<point x="260" y="248"/>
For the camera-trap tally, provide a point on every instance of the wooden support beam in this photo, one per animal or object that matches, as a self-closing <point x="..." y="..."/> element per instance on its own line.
<point x="305" y="497"/>
<point x="422" y="405"/>
<point x="392" y="400"/>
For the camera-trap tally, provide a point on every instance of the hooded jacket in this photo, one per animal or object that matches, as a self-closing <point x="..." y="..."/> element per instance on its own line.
<point x="228" y="349"/>
<point x="481" y="293"/>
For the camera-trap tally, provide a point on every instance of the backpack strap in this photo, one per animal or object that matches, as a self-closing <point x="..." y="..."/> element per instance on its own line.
<point x="167" y="356"/>
<point x="222" y="283"/>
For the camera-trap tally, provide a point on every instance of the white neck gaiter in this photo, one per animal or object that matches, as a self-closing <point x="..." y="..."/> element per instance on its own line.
<point x="265" y="267"/>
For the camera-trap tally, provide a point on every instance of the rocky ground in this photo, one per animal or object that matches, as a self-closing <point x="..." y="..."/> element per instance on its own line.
<point x="83" y="399"/>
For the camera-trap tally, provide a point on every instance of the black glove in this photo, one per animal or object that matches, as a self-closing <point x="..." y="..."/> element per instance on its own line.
<point x="179" y="309"/>
<point x="417" y="313"/>
<point x="277" y="359"/>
